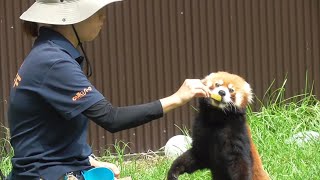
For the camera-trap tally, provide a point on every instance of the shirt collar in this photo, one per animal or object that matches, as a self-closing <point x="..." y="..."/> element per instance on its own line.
<point x="60" y="40"/>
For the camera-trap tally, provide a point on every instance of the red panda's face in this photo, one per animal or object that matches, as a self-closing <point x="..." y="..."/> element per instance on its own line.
<point x="228" y="90"/>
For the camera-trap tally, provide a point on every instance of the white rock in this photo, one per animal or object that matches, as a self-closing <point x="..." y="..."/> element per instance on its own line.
<point x="177" y="145"/>
<point x="303" y="137"/>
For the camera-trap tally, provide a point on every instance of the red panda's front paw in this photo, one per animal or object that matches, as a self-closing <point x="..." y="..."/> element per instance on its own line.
<point x="172" y="176"/>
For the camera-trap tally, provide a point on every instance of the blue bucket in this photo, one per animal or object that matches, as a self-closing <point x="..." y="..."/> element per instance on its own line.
<point x="99" y="173"/>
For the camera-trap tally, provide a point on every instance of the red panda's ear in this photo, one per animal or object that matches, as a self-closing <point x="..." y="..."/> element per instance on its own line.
<point x="211" y="75"/>
<point x="208" y="80"/>
<point x="248" y="90"/>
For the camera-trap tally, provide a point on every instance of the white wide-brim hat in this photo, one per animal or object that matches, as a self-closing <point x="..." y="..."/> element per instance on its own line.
<point x="63" y="12"/>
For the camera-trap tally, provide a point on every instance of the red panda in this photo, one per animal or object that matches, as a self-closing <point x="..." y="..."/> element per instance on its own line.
<point x="221" y="136"/>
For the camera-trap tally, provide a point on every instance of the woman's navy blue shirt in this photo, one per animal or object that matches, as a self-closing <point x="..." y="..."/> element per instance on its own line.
<point x="48" y="96"/>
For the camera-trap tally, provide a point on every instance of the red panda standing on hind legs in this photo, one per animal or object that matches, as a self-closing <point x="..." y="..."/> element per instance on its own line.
<point x="221" y="136"/>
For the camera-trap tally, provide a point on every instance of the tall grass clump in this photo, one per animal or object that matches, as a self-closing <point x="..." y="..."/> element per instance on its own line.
<point x="278" y="121"/>
<point x="6" y="151"/>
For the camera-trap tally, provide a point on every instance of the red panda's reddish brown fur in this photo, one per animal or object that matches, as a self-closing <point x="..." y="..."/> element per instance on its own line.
<point x="258" y="172"/>
<point x="221" y="136"/>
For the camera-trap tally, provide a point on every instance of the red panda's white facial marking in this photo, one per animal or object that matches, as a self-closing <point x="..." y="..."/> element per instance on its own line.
<point x="224" y="93"/>
<point x="234" y="90"/>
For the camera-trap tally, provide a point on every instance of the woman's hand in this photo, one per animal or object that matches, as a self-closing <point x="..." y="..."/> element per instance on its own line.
<point x="192" y="88"/>
<point x="189" y="89"/>
<point x="113" y="167"/>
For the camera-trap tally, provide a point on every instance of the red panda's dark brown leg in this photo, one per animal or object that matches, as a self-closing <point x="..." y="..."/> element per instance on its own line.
<point x="186" y="163"/>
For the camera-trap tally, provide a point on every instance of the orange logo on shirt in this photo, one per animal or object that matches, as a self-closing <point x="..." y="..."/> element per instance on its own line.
<point x="81" y="94"/>
<point x="16" y="81"/>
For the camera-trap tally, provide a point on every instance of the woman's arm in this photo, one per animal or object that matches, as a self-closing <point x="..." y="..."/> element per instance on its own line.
<point x="115" y="119"/>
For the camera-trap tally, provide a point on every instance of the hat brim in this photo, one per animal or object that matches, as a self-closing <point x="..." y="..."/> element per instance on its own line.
<point x="63" y="13"/>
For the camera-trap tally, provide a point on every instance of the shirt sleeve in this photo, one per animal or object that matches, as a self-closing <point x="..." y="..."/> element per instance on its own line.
<point x="68" y="90"/>
<point x="115" y="119"/>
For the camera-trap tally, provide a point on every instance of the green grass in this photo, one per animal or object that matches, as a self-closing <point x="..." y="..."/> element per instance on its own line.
<point x="5" y="151"/>
<point x="276" y="123"/>
<point x="271" y="126"/>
